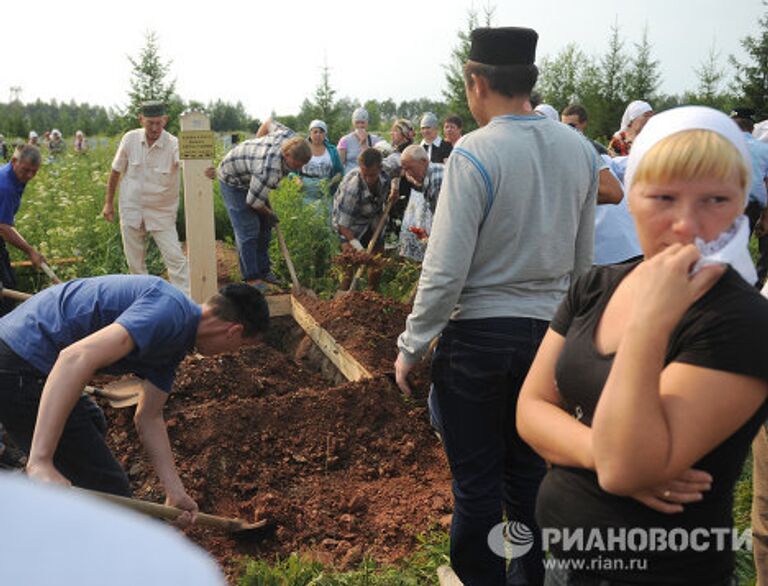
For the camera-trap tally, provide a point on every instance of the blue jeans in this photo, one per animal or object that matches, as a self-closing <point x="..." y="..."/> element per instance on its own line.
<point x="252" y="233"/>
<point x="477" y="371"/>
<point x="82" y="455"/>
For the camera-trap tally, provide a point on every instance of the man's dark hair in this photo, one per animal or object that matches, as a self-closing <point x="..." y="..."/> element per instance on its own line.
<point x="370" y="157"/>
<point x="508" y="80"/>
<point x="455" y="120"/>
<point x="241" y="304"/>
<point x="576" y="110"/>
<point x="28" y="153"/>
<point x="745" y="124"/>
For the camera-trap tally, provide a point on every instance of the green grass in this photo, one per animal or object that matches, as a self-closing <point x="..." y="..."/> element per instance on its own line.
<point x="416" y="570"/>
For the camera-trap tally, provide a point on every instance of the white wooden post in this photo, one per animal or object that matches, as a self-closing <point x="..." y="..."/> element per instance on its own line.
<point x="196" y="150"/>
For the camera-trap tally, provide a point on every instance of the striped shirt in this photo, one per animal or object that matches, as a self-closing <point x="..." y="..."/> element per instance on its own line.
<point x="356" y="206"/>
<point x="257" y="165"/>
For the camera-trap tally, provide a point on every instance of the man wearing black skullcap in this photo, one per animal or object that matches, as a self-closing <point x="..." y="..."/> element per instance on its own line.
<point x="514" y="226"/>
<point x="54" y="343"/>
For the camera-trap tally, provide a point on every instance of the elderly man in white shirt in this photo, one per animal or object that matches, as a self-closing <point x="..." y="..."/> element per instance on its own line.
<point x="148" y="161"/>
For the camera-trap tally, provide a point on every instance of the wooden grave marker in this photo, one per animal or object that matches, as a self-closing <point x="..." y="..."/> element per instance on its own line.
<point x="196" y="149"/>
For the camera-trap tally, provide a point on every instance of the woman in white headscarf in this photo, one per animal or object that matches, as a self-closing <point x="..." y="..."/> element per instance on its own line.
<point x="634" y="119"/>
<point x="547" y="111"/>
<point x="651" y="381"/>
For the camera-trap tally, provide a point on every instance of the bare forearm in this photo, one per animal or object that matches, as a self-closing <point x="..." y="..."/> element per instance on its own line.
<point x="570" y="446"/>
<point x="12" y="236"/>
<point x="112" y="183"/>
<point x="630" y="431"/>
<point x="60" y="394"/>
<point x="609" y="189"/>
<point x="154" y="437"/>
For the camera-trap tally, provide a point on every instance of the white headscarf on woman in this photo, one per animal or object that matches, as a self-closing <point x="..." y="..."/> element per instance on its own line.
<point x="634" y="110"/>
<point x="732" y="246"/>
<point x="547" y="111"/>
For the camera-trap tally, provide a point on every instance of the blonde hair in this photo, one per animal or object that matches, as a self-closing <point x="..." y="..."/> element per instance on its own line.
<point x="692" y="154"/>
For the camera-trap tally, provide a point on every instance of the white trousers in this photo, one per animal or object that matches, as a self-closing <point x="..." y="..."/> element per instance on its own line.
<point x="135" y="247"/>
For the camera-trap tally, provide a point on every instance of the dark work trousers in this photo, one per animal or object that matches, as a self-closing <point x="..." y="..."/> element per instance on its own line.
<point x="82" y="456"/>
<point x="477" y="371"/>
<point x="7" y="278"/>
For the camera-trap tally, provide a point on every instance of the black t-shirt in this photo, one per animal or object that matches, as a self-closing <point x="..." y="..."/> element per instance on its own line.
<point x="724" y="330"/>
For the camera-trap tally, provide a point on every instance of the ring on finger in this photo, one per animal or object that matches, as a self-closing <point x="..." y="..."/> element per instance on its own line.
<point x="667" y="494"/>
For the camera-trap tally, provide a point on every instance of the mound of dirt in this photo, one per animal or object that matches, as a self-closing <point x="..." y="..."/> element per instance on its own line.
<point x="342" y="472"/>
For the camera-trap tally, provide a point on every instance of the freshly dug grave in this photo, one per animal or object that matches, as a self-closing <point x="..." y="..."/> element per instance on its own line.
<point x="342" y="472"/>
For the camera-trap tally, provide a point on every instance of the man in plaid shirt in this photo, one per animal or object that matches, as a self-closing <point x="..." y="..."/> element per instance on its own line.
<point x="247" y="175"/>
<point x="359" y="204"/>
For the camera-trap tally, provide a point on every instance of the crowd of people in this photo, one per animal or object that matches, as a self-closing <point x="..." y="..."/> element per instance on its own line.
<point x="598" y="370"/>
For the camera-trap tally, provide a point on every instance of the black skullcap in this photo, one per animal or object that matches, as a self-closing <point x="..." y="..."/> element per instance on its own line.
<point x="153" y="109"/>
<point x="746" y="113"/>
<point x="509" y="45"/>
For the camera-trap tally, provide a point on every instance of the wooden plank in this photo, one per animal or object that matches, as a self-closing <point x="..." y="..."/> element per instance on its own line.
<point x="343" y="360"/>
<point x="198" y="212"/>
<point x="447" y="577"/>
<point x="279" y="305"/>
<point x="55" y="261"/>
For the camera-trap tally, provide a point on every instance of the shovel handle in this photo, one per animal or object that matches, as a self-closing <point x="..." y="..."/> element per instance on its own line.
<point x="170" y="513"/>
<point x="49" y="271"/>
<point x="17" y="295"/>
<point x="287" y="257"/>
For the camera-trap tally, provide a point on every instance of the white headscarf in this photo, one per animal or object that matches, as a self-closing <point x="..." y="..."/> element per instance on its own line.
<point x="634" y="110"/>
<point x="547" y="111"/>
<point x="732" y="245"/>
<point x="678" y="120"/>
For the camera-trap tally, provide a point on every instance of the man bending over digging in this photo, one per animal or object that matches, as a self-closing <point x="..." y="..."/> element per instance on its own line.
<point x="54" y="343"/>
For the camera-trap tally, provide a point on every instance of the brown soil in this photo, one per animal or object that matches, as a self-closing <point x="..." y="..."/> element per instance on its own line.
<point x="341" y="473"/>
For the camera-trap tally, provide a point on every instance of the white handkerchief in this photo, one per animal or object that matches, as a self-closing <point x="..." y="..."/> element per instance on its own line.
<point x="730" y="247"/>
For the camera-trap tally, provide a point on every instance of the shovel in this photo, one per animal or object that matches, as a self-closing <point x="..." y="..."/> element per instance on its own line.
<point x="122" y="393"/>
<point x="13" y="294"/>
<point x="225" y="524"/>
<point x="288" y="261"/>
<point x="49" y="271"/>
<point x="117" y="399"/>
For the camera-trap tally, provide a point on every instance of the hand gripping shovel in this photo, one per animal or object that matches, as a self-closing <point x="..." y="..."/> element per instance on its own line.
<point x="226" y="524"/>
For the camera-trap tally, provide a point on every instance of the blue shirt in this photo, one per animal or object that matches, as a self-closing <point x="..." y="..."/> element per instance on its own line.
<point x="160" y="319"/>
<point x="10" y="194"/>
<point x="759" y="153"/>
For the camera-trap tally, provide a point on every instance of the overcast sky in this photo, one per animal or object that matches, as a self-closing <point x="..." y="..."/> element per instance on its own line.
<point x="269" y="54"/>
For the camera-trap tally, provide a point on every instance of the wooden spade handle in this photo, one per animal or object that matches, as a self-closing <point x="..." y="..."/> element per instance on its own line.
<point x="287" y="256"/>
<point x="171" y="513"/>
<point x="17" y="295"/>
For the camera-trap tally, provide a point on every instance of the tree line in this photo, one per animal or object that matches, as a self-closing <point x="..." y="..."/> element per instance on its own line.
<point x="603" y="84"/>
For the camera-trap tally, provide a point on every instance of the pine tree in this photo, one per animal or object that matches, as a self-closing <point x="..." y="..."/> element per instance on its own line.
<point x="613" y="70"/>
<point x="148" y="80"/>
<point x="455" y="96"/>
<point x="752" y="76"/>
<point x="560" y="78"/>
<point x="643" y="76"/>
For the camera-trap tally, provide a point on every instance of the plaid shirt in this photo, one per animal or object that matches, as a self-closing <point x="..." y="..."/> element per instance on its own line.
<point x="355" y="206"/>
<point x="257" y="165"/>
